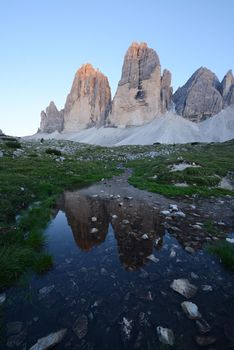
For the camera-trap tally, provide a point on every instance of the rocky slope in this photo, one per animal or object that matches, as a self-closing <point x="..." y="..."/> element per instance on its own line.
<point x="89" y="101"/>
<point x="138" y="98"/>
<point x="51" y="119"/>
<point x="169" y="128"/>
<point x="203" y="95"/>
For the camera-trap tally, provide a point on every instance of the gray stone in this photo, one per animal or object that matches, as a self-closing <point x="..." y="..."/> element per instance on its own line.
<point x="153" y="258"/>
<point x="205" y="340"/>
<point x="43" y="292"/>
<point x="49" y="341"/>
<point x="203" y="326"/>
<point x="165" y="335"/>
<point x="191" y="310"/>
<point x="184" y="287"/>
<point x="81" y="326"/>
<point x="16" y="340"/>
<point x="2" y="298"/>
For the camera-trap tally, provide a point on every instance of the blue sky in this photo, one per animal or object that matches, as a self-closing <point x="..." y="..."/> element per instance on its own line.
<point x="44" y="42"/>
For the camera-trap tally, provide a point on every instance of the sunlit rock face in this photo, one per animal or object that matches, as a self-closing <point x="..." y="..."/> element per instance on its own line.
<point x="89" y="101"/>
<point x="138" y="96"/>
<point x="200" y="97"/>
<point x="51" y="119"/>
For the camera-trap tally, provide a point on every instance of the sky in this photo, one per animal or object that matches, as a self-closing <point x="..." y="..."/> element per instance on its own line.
<point x="44" y="42"/>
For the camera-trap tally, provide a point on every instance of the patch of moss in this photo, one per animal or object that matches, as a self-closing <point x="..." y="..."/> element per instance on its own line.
<point x="225" y="251"/>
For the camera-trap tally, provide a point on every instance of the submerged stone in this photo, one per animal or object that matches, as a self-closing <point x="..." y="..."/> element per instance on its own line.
<point x="49" y="341"/>
<point x="165" y="335"/>
<point x="184" y="287"/>
<point x="81" y="326"/>
<point x="2" y="298"/>
<point x="191" y="310"/>
<point x="205" y="340"/>
<point x="203" y="326"/>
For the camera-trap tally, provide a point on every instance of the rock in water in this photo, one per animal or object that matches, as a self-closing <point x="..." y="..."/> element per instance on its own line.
<point x="200" y="97"/>
<point x="184" y="287"/>
<point x="191" y="310"/>
<point x="2" y="298"/>
<point x="81" y="326"/>
<point x="89" y="102"/>
<point x="165" y="335"/>
<point x="138" y="96"/>
<point x="49" y="341"/>
<point x="51" y="119"/>
<point x="205" y="340"/>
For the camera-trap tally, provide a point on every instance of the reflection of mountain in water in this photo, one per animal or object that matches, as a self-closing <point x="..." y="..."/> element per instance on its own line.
<point x="131" y="222"/>
<point x="79" y="211"/>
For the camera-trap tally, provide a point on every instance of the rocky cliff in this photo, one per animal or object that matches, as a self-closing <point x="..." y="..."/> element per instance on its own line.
<point x="89" y="101"/>
<point x="203" y="95"/>
<point x="200" y="97"/>
<point x="51" y="119"/>
<point x="227" y="89"/>
<point x="138" y="98"/>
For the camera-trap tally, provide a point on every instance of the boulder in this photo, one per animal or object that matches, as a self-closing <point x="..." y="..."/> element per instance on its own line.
<point x="89" y="102"/>
<point x="200" y="97"/>
<point x="51" y="119"/>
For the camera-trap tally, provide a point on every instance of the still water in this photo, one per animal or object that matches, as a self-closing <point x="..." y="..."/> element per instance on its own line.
<point x="114" y="263"/>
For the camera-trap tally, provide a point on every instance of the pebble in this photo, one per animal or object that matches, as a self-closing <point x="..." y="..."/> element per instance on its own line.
<point x="184" y="287"/>
<point x="206" y="288"/>
<point x="191" y="310"/>
<point x="145" y="236"/>
<point x="189" y="250"/>
<point x="2" y="298"/>
<point x="203" y="326"/>
<point x="94" y="230"/>
<point x="205" y="340"/>
<point x="94" y="219"/>
<point x="81" y="326"/>
<point x="49" y="341"/>
<point x="153" y="258"/>
<point x="165" y="335"/>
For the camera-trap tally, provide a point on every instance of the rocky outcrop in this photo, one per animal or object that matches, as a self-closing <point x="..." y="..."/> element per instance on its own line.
<point x="227" y="89"/>
<point x="166" y="91"/>
<point x="138" y="96"/>
<point x="200" y="97"/>
<point x="88" y="104"/>
<point x="51" y="119"/>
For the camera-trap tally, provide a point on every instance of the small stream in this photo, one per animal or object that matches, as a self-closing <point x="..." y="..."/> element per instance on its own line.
<point x="114" y="263"/>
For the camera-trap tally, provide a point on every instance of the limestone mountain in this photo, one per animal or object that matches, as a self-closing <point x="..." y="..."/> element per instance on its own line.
<point x="200" y="97"/>
<point x="203" y="95"/>
<point x="138" y="98"/>
<point x="89" y="100"/>
<point x="51" y="119"/>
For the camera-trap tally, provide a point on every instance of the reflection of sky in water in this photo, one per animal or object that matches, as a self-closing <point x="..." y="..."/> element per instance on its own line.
<point x="106" y="276"/>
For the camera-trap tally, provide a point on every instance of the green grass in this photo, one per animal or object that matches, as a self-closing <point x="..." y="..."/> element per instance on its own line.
<point x="225" y="251"/>
<point x="215" y="161"/>
<point x="29" y="187"/>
